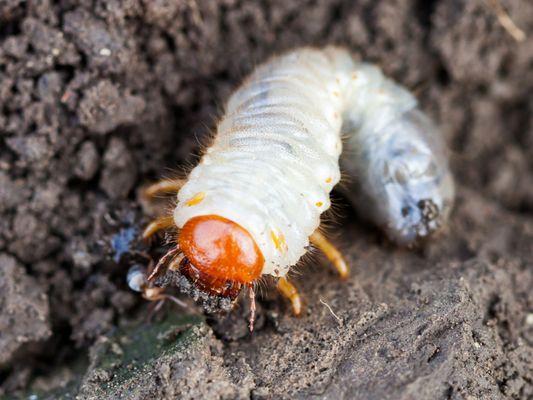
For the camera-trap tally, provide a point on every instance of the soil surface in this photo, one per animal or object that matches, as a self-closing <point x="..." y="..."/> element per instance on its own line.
<point x="100" y="97"/>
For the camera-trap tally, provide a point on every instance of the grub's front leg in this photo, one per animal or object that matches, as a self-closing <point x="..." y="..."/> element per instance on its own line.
<point x="164" y="186"/>
<point x="157" y="225"/>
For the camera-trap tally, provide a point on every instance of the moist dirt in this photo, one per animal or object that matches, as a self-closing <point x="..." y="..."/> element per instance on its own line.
<point x="98" y="98"/>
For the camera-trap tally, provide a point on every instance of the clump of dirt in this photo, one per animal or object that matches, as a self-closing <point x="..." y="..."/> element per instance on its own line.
<point x="99" y="97"/>
<point x="25" y="313"/>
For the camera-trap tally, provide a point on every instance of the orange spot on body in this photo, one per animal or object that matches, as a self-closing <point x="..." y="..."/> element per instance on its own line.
<point x="220" y="250"/>
<point x="196" y="199"/>
<point x="279" y="241"/>
<point x="319" y="204"/>
<point x="329" y="180"/>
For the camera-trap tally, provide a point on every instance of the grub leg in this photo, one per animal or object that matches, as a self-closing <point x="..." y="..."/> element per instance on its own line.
<point x="289" y="291"/>
<point x="158" y="225"/>
<point x="162" y="187"/>
<point x="331" y="253"/>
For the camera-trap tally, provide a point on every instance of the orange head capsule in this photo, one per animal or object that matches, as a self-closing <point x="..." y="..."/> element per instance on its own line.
<point x="220" y="255"/>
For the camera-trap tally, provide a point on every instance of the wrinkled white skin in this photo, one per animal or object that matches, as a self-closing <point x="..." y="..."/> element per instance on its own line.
<point x="396" y="160"/>
<point x="275" y="157"/>
<point x="400" y="176"/>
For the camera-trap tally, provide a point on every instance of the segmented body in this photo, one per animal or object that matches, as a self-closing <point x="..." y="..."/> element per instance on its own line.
<point x="275" y="157"/>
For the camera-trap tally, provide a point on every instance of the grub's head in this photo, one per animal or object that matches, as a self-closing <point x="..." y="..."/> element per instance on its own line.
<point x="220" y="256"/>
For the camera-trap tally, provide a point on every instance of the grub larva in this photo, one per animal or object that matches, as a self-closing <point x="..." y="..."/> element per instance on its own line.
<point x="253" y="203"/>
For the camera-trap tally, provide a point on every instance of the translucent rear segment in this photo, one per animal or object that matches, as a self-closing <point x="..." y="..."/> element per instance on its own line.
<point x="403" y="181"/>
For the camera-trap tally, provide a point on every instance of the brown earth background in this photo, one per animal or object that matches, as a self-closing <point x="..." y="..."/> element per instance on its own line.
<point x="97" y="98"/>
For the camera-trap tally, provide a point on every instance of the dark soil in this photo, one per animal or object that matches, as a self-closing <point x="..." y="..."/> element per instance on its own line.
<point x="99" y="97"/>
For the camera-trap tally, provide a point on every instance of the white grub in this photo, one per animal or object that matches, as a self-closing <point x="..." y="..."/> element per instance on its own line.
<point x="275" y="157"/>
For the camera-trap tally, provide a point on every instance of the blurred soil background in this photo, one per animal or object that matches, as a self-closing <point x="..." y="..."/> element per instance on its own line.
<point x="100" y="97"/>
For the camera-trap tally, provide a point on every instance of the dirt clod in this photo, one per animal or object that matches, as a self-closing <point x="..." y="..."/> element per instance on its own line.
<point x="24" y="311"/>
